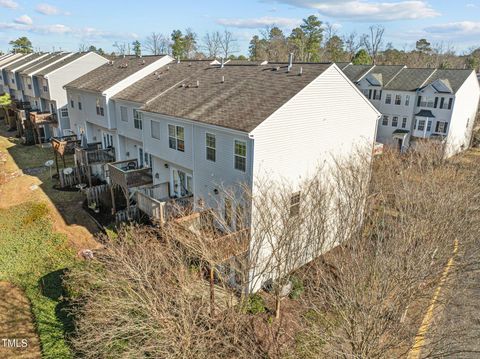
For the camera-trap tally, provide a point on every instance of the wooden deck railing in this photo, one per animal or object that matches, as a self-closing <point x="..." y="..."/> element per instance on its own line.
<point x="93" y="156"/>
<point x="127" y="174"/>
<point x="43" y="117"/>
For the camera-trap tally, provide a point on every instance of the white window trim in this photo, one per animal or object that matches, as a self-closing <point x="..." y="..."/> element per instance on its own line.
<point x="235" y="155"/>
<point x="207" y="147"/>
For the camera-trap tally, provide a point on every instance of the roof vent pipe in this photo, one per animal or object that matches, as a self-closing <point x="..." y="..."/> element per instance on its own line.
<point x="198" y="83"/>
<point x="223" y="79"/>
<point x="301" y="71"/>
<point x="222" y="64"/>
<point x="178" y="60"/>
<point x="290" y="61"/>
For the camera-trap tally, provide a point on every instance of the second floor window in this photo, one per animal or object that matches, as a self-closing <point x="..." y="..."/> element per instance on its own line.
<point x="64" y="112"/>
<point x="72" y="104"/>
<point x="385" y="121"/>
<point x="388" y="99"/>
<point x="395" y="121"/>
<point x="137" y="119"/>
<point x="404" y="122"/>
<point x="123" y="114"/>
<point x="211" y="145"/>
<point x="407" y="100"/>
<point x="79" y="103"/>
<point x="155" y="128"/>
<point x="295" y="204"/>
<point x="240" y="154"/>
<point x="176" y="138"/>
<point x="421" y="125"/>
<point x="99" y="108"/>
<point x="398" y="99"/>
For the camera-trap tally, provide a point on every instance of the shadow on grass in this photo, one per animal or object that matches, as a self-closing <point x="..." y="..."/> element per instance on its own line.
<point x="52" y="287"/>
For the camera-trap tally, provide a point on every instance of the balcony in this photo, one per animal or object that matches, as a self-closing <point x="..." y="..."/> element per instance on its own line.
<point x="155" y="202"/>
<point x="94" y="154"/>
<point x="43" y="118"/>
<point x="127" y="174"/>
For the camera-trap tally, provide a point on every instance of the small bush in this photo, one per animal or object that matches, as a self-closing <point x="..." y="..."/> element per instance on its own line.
<point x="255" y="304"/>
<point x="297" y="288"/>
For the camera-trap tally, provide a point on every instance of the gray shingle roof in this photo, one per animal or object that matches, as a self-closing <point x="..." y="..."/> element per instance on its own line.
<point x="46" y="61"/>
<point x="248" y="96"/>
<point x="161" y="80"/>
<point x="342" y="65"/>
<point x="455" y="77"/>
<point x="24" y="61"/>
<point x="409" y="79"/>
<point x="387" y="72"/>
<point x="60" y="64"/>
<point x="356" y="72"/>
<point x="104" y="77"/>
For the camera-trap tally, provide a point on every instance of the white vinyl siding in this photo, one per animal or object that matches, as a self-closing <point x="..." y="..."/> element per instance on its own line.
<point x="155" y="128"/>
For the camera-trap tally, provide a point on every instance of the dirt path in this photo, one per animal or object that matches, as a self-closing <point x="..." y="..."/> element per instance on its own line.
<point x="17" y="333"/>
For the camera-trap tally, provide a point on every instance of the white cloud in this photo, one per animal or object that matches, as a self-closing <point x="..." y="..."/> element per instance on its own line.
<point x="47" y="9"/>
<point x="9" y="4"/>
<point x="255" y="23"/>
<point x="464" y="28"/>
<point x="24" y="19"/>
<point x="364" y="10"/>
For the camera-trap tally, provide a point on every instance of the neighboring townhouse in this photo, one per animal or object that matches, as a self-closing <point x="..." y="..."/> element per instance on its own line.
<point x="419" y="104"/>
<point x="92" y="110"/>
<point x="10" y="73"/>
<point x="205" y="129"/>
<point x="48" y="81"/>
<point x="9" y="60"/>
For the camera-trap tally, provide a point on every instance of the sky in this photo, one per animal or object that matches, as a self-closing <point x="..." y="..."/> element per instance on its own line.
<point x="65" y="25"/>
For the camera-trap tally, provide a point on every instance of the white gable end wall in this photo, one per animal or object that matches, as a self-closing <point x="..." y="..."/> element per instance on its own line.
<point x="463" y="116"/>
<point x="329" y="117"/>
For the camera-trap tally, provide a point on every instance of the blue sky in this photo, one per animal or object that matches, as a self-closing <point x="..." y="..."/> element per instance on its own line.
<point x="67" y="24"/>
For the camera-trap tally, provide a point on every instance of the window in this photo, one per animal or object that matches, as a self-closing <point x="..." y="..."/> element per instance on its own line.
<point x="377" y="95"/>
<point x="428" y="102"/>
<point x="99" y="108"/>
<point x="450" y="103"/>
<point x="395" y="121"/>
<point x="398" y="99"/>
<point x="72" y="104"/>
<point x="79" y="103"/>
<point x="64" y="112"/>
<point x="441" y="127"/>
<point x="240" y="154"/>
<point x="211" y="145"/>
<point x="13" y="81"/>
<point x="404" y="122"/>
<point x="421" y="125"/>
<point x="429" y="125"/>
<point x="388" y="99"/>
<point x="137" y="119"/>
<point x="385" y="121"/>
<point x="407" y="100"/>
<point x="123" y="114"/>
<point x="29" y="86"/>
<point x="155" y="129"/>
<point x="176" y="138"/>
<point x="366" y="92"/>
<point x="295" y="204"/>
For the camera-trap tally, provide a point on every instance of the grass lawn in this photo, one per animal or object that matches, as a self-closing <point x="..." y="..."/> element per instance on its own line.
<point x="33" y="258"/>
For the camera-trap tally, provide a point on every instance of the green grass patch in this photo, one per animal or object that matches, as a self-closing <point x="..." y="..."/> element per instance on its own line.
<point x="33" y="257"/>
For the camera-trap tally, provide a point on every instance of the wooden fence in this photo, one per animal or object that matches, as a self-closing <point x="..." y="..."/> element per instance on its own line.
<point x="127" y="215"/>
<point x="78" y="175"/>
<point x="99" y="195"/>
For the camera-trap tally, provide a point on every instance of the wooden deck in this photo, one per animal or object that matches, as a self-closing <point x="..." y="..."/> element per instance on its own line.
<point x="127" y="174"/>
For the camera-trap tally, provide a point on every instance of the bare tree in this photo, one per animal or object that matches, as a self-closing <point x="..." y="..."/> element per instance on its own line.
<point x="373" y="41"/>
<point x="212" y="43"/>
<point x="352" y="44"/>
<point x="227" y="44"/>
<point x="157" y="44"/>
<point x="122" y="48"/>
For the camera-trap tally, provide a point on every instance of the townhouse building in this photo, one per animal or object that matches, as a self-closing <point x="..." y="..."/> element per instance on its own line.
<point x="419" y="104"/>
<point x="35" y="82"/>
<point x="188" y="131"/>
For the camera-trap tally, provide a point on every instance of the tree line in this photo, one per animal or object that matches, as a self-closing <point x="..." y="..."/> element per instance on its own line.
<point x="311" y="41"/>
